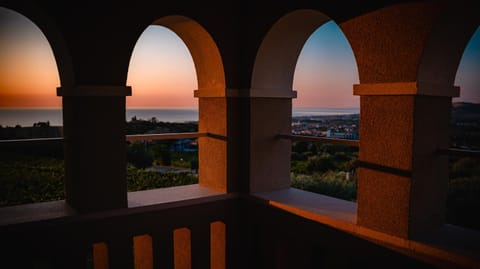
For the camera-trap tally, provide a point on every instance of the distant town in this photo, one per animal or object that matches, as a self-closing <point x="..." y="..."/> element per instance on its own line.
<point x="465" y="127"/>
<point x="334" y="126"/>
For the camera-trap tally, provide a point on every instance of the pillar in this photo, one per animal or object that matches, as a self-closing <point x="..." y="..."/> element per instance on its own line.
<point x="212" y="151"/>
<point x="270" y="115"/>
<point x="402" y="183"/>
<point x="95" y="154"/>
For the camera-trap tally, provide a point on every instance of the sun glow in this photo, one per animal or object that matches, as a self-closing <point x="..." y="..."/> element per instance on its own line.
<point x="161" y="71"/>
<point x="28" y="71"/>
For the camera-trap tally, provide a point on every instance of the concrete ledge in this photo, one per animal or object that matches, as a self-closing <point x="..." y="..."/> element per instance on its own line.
<point x="449" y="246"/>
<point x="35" y="212"/>
<point x="140" y="201"/>
<point x="324" y="209"/>
<point x="163" y="196"/>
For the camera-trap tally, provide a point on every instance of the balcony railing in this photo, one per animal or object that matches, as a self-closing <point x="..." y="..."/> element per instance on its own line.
<point x="130" y="138"/>
<point x="197" y="228"/>
<point x="167" y="136"/>
<point x="335" y="141"/>
<point x="31" y="141"/>
<point x="178" y="227"/>
<point x="459" y="152"/>
<point x="356" y="143"/>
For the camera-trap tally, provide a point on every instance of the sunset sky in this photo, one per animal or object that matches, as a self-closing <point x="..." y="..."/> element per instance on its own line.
<point x="162" y="73"/>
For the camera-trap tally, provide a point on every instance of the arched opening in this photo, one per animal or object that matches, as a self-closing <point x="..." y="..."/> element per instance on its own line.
<point x="29" y="109"/>
<point x="291" y="57"/>
<point x="162" y="75"/>
<point x="173" y="57"/>
<point x="325" y="107"/>
<point x="464" y="175"/>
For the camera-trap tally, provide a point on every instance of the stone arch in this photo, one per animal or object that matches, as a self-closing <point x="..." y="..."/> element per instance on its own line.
<point x="204" y="51"/>
<point x="444" y="48"/>
<point x="277" y="56"/>
<point x="212" y="103"/>
<point x="53" y="36"/>
<point x="271" y="96"/>
<point x="407" y="56"/>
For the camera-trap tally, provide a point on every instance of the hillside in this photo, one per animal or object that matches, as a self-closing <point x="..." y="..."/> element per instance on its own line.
<point x="464" y="110"/>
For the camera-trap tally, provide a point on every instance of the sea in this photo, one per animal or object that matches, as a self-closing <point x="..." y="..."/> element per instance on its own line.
<point x="27" y="117"/>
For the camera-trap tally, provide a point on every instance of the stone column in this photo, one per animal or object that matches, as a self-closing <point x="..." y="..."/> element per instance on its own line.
<point x="402" y="184"/>
<point x="212" y="154"/>
<point x="95" y="153"/>
<point x="270" y="115"/>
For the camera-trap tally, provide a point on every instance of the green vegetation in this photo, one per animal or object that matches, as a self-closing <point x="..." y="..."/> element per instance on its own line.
<point x="152" y="126"/>
<point x="464" y="192"/>
<point x="325" y="169"/>
<point x="160" y="153"/>
<point x="141" y="179"/>
<point x="35" y="173"/>
<point x="335" y="184"/>
<point x="170" y="153"/>
<point x="143" y="158"/>
<point x="30" y="180"/>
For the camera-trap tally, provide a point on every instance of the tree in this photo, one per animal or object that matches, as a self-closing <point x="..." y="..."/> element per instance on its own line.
<point x="465" y="167"/>
<point x="166" y="157"/>
<point x="161" y="151"/>
<point x="300" y="146"/>
<point x="320" y="163"/>
<point x="313" y="148"/>
<point x="139" y="155"/>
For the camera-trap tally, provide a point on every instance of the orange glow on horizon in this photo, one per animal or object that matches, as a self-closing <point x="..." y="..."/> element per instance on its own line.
<point x="161" y="71"/>
<point x="30" y="101"/>
<point x="28" y="71"/>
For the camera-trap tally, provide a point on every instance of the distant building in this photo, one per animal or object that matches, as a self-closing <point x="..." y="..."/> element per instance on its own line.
<point x="184" y="145"/>
<point x="343" y="135"/>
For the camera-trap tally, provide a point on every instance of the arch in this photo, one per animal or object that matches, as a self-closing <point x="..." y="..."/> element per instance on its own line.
<point x="444" y="48"/>
<point x="212" y="103"/>
<point x="466" y="78"/>
<point x="53" y="36"/>
<point x="326" y="70"/>
<point x="161" y="60"/>
<point x="277" y="56"/>
<point x="204" y="51"/>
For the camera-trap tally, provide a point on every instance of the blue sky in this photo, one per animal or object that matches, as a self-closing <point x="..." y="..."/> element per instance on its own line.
<point x="326" y="70"/>
<point x="468" y="73"/>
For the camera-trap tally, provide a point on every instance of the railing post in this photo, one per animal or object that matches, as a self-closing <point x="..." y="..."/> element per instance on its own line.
<point x="217" y="245"/>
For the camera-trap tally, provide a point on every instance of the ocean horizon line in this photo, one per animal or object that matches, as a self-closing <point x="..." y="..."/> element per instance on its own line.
<point x="179" y="108"/>
<point x="196" y="107"/>
<point x="11" y="117"/>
